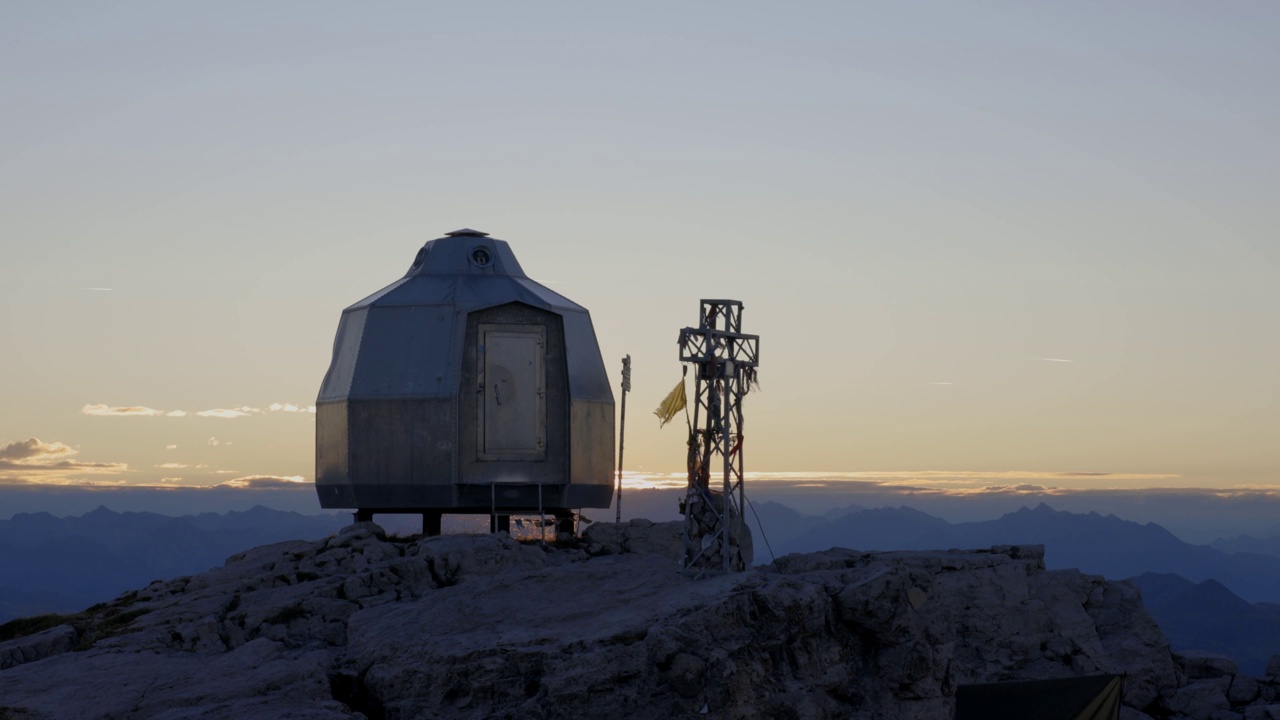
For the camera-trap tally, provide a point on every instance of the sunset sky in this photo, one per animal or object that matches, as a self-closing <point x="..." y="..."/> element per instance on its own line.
<point x="982" y="243"/>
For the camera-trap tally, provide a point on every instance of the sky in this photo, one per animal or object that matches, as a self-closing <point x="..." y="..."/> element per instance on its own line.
<point x="984" y="244"/>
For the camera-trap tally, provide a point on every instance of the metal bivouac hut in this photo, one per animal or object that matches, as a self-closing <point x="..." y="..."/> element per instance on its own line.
<point x="465" y="387"/>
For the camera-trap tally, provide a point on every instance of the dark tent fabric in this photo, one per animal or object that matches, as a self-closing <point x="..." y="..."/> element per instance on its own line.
<point x="1082" y="698"/>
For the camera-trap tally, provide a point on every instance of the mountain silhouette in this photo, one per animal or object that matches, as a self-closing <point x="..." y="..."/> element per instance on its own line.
<point x="51" y="564"/>
<point x="1094" y="543"/>
<point x="1208" y="616"/>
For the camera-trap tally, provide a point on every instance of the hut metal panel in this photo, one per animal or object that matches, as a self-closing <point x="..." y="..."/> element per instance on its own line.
<point x="403" y="497"/>
<point x="405" y="353"/>
<point x="591" y="459"/>
<point x="547" y="296"/>
<point x="587" y="377"/>
<point x="332" y="453"/>
<point x="419" y="290"/>
<point x="478" y="291"/>
<point x="599" y="495"/>
<point x="366" y="302"/>
<point x="401" y="441"/>
<point x="346" y="348"/>
<point x="456" y="256"/>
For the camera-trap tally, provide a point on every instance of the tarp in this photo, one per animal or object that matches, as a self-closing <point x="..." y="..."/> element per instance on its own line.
<point x="1096" y="697"/>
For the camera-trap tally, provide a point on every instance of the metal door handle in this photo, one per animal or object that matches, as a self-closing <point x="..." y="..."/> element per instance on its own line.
<point x="497" y="398"/>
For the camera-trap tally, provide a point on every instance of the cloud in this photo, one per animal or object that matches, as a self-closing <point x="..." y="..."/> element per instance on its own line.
<point x="33" y="449"/>
<point x="262" y="482"/>
<point x="102" y="410"/>
<point x="170" y="446"/>
<point x="945" y="477"/>
<point x="215" y="442"/>
<point x="101" y="289"/>
<point x="33" y="460"/>
<point x="172" y="466"/>
<point x="126" y="411"/>
<point x="918" y="480"/>
<point x="1023" y="488"/>
<point x="223" y="413"/>
<point x="291" y="408"/>
<point x="1061" y="360"/>
<point x="247" y="410"/>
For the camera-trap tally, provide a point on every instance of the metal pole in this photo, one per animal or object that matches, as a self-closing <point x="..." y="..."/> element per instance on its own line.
<point x="622" y="429"/>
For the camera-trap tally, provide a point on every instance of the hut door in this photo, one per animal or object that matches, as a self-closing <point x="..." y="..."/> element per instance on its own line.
<point x="512" y="399"/>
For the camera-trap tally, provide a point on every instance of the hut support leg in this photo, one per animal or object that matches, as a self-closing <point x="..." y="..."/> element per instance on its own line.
<point x="364" y="515"/>
<point x="564" y="523"/>
<point x="431" y="524"/>
<point x="499" y="523"/>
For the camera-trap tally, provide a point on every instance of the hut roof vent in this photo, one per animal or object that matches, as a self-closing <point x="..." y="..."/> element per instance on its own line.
<point x="467" y="232"/>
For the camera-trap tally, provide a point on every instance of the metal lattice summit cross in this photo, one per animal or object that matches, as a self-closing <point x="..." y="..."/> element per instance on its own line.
<point x="724" y="359"/>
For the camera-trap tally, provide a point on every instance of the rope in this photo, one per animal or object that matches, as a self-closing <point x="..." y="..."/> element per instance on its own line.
<point x="760" y="525"/>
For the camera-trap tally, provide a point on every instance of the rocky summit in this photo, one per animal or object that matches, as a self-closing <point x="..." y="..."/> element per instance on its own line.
<point x="482" y="626"/>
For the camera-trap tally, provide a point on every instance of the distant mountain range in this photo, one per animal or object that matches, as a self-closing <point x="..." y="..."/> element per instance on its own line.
<point x="1208" y="616"/>
<point x="1248" y="544"/>
<point x="1196" y="593"/>
<point x="1211" y="598"/>
<point x="51" y="564"/>
<point x="1103" y="545"/>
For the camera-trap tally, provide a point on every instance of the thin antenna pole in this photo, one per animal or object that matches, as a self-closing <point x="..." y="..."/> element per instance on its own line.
<point x="622" y="429"/>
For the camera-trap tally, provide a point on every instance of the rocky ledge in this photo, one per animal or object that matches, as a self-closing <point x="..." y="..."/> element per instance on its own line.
<point x="361" y="625"/>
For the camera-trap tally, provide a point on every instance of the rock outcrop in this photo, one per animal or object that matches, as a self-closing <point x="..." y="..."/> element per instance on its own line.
<point x="360" y="625"/>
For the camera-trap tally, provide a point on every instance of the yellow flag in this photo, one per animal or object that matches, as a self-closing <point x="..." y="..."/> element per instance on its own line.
<point x="673" y="403"/>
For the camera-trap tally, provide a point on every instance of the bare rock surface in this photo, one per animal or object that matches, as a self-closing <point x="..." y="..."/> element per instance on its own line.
<point x="362" y="626"/>
<point x="54" y="641"/>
